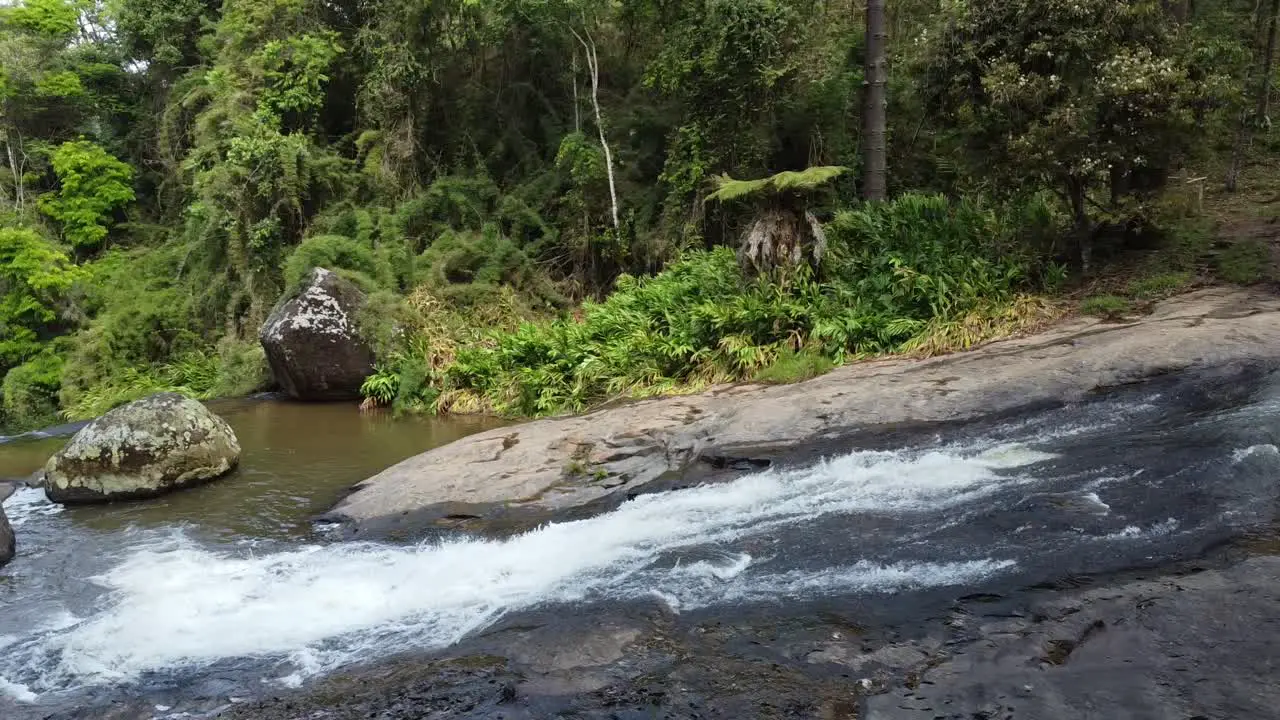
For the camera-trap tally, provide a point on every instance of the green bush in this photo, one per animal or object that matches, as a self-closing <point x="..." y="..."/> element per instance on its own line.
<point x="355" y="261"/>
<point x="232" y="369"/>
<point x="30" y="393"/>
<point x="1245" y="262"/>
<point x="93" y="186"/>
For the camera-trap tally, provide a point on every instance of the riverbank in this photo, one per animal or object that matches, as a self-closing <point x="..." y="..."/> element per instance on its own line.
<point x="522" y="475"/>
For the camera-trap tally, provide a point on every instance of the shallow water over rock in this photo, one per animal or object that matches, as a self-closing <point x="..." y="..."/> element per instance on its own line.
<point x="807" y="588"/>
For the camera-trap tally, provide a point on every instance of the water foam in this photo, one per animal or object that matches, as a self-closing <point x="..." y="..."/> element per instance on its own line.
<point x="173" y="603"/>
<point x="26" y="503"/>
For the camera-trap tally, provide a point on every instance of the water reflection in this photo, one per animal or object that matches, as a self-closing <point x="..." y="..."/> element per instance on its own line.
<point x="298" y="459"/>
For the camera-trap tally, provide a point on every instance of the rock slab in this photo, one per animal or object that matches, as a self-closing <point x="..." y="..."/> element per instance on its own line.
<point x="576" y="463"/>
<point x="312" y="344"/>
<point x="160" y="443"/>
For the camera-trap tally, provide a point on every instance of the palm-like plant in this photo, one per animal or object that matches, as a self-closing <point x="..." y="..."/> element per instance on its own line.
<point x="784" y="232"/>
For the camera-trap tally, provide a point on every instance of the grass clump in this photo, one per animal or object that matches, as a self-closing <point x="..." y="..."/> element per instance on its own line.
<point x="791" y="366"/>
<point x="1109" y="307"/>
<point x="1159" y="286"/>
<point x="1244" y="263"/>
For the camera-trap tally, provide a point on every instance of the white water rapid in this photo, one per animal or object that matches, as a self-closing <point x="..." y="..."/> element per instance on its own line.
<point x="171" y="602"/>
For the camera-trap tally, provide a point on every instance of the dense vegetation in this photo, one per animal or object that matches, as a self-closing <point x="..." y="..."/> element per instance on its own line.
<point x="540" y="195"/>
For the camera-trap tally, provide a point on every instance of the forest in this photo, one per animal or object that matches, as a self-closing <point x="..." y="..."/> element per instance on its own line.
<point x="556" y="203"/>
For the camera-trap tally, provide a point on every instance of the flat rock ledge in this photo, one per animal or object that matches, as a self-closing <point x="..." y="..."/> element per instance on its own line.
<point x="558" y="466"/>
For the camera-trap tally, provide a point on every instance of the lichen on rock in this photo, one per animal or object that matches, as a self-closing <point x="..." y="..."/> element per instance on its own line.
<point x="312" y="343"/>
<point x="151" y="446"/>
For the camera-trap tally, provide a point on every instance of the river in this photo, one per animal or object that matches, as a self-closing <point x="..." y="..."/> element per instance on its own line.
<point x="213" y="596"/>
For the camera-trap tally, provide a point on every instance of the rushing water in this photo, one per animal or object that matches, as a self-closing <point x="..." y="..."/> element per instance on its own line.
<point x="172" y="588"/>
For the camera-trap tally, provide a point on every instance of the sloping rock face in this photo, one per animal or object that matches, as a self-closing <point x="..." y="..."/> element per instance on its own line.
<point x="312" y="344"/>
<point x="553" y="465"/>
<point x="146" y="448"/>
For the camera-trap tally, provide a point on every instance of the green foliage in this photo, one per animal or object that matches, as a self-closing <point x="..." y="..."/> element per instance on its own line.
<point x="894" y="267"/>
<point x="1069" y="93"/>
<point x="1244" y="262"/>
<point x="791" y="181"/>
<point x="1110" y="307"/>
<point x="93" y="185"/>
<point x="353" y="260"/>
<point x="34" y="279"/>
<point x="232" y="369"/>
<point x="48" y="18"/>
<point x="29" y="393"/>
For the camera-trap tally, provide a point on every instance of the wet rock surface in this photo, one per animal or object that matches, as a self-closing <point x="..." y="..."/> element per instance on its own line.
<point x="1183" y="643"/>
<point x="146" y="448"/>
<point x="521" y="475"/>
<point x="8" y="544"/>
<point x="312" y="344"/>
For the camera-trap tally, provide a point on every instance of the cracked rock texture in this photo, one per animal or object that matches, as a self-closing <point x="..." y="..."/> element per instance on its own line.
<point x="312" y="343"/>
<point x="558" y="464"/>
<point x="146" y="448"/>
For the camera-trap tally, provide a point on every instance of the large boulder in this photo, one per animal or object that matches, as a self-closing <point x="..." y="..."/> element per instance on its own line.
<point x="7" y="543"/>
<point x="312" y="344"/>
<point x="146" y="448"/>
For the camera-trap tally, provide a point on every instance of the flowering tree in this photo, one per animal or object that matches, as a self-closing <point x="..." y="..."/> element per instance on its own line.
<point x="1074" y="95"/>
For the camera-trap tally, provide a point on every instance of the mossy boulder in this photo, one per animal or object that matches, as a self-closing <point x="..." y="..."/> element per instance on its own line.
<point x="312" y="343"/>
<point x="149" y="447"/>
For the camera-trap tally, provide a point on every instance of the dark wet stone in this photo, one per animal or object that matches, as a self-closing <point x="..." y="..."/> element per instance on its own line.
<point x="8" y="544"/>
<point x="312" y="342"/>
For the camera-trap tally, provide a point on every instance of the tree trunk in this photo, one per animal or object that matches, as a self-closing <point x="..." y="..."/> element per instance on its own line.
<point x="1076" y="189"/>
<point x="1268" y="66"/>
<point x="874" y="106"/>
<point x="593" y="66"/>
<point x="1244" y="134"/>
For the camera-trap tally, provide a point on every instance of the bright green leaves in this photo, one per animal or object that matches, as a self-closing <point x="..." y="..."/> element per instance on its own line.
<point x="93" y="186"/>
<point x="63" y="84"/>
<point x="54" y="19"/>
<point x="295" y="72"/>
<point x="34" y="276"/>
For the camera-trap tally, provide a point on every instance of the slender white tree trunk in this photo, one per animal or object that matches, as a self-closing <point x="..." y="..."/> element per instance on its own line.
<point x="593" y="66"/>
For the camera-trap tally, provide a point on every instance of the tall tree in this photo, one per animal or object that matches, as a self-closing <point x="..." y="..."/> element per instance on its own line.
<point x="1266" y="58"/>
<point x="875" y="123"/>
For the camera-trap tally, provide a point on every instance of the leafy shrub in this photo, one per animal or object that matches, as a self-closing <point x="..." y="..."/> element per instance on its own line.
<point x="93" y="185"/>
<point x="35" y="276"/>
<point x="470" y="265"/>
<point x="30" y="392"/>
<point x="348" y="257"/>
<point x="233" y="368"/>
